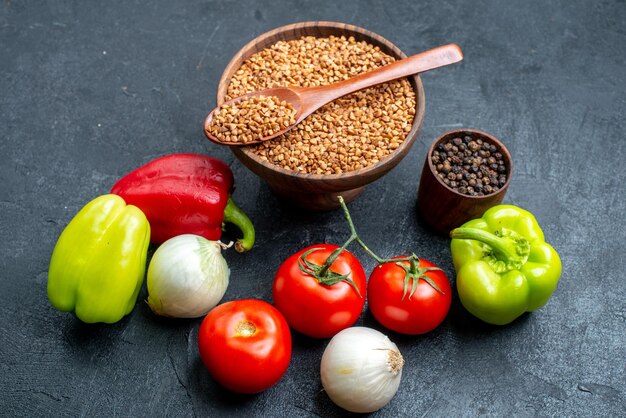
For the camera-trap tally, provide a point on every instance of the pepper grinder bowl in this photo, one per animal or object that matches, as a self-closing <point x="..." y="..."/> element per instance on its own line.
<point x="443" y="208"/>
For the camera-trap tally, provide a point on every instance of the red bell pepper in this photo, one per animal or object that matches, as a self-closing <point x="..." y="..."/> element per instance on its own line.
<point x="185" y="194"/>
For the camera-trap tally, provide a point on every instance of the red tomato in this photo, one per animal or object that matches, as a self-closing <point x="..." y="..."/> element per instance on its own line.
<point x="413" y="314"/>
<point x="245" y="345"/>
<point x="315" y="309"/>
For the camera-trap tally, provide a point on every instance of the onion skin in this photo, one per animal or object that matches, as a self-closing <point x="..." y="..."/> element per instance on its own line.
<point x="361" y="369"/>
<point x="187" y="277"/>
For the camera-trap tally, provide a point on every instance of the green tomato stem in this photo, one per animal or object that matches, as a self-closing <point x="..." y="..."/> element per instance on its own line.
<point x="333" y="257"/>
<point x="413" y="273"/>
<point x="329" y="278"/>
<point x="354" y="236"/>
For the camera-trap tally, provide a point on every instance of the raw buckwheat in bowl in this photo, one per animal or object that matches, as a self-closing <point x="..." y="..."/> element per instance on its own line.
<point x="344" y="145"/>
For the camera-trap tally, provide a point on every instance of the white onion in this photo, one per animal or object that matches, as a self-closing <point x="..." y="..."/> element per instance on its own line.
<point x="187" y="277"/>
<point x="361" y="369"/>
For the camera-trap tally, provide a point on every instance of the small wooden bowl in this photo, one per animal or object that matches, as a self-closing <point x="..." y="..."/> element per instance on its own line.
<point x="319" y="191"/>
<point x="444" y="209"/>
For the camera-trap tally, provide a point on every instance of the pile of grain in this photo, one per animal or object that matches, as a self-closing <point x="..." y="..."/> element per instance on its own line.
<point x="350" y="133"/>
<point x="251" y="119"/>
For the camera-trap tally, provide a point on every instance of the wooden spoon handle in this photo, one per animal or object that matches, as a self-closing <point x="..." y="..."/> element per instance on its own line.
<point x="428" y="60"/>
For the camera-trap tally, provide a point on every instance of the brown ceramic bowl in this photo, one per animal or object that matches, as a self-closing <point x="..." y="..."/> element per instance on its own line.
<point x="318" y="191"/>
<point x="443" y="208"/>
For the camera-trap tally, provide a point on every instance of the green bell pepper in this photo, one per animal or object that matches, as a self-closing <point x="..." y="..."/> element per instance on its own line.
<point x="504" y="266"/>
<point x="98" y="264"/>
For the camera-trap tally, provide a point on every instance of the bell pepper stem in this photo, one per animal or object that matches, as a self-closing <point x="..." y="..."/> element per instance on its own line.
<point x="503" y="248"/>
<point x="234" y="215"/>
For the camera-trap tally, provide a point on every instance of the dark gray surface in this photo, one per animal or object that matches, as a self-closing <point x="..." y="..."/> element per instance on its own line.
<point x="91" y="90"/>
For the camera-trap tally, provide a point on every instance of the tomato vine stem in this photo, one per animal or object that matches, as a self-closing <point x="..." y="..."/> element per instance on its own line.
<point x="412" y="273"/>
<point x="355" y="237"/>
<point x="325" y="276"/>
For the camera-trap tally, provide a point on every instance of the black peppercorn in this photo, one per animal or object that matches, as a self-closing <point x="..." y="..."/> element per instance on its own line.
<point x="470" y="166"/>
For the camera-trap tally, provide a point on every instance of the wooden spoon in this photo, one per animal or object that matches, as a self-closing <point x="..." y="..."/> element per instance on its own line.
<point x="306" y="100"/>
